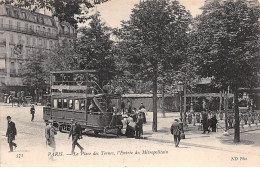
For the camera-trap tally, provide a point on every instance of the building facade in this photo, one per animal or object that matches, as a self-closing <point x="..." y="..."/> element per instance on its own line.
<point x="22" y="32"/>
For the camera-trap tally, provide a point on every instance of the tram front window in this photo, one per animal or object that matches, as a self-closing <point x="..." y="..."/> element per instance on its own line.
<point x="65" y="104"/>
<point x="82" y="104"/>
<point x="76" y="104"/>
<point x="55" y="103"/>
<point x="71" y="104"/>
<point x="59" y="103"/>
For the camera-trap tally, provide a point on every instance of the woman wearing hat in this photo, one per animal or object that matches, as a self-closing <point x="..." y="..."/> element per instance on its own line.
<point x="50" y="132"/>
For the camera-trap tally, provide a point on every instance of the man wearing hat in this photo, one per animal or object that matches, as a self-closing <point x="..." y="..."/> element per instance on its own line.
<point x="76" y="133"/>
<point x="142" y="106"/>
<point x="32" y="110"/>
<point x="176" y="132"/>
<point x="50" y="132"/>
<point x="11" y="133"/>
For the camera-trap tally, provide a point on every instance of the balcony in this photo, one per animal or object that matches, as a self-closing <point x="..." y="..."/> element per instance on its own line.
<point x="24" y="30"/>
<point x="13" y="73"/>
<point x="3" y="41"/>
<point x="68" y="34"/>
<point x="3" y="71"/>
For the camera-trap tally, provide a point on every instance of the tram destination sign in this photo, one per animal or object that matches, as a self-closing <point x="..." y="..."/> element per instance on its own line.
<point x="66" y="87"/>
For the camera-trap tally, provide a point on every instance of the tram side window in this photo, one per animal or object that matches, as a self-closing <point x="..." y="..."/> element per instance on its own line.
<point x="82" y="104"/>
<point x="65" y="104"/>
<point x="70" y="104"/>
<point x="76" y="104"/>
<point x="59" y="103"/>
<point x="55" y="103"/>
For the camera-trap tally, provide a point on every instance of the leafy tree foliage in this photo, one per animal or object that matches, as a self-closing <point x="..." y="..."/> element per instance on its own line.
<point x="94" y="50"/>
<point x="227" y="46"/>
<point x="62" y="57"/>
<point x="34" y="71"/>
<point x="153" y="41"/>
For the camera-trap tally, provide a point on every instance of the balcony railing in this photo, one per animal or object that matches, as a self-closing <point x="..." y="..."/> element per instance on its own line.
<point x="2" y="41"/>
<point x="30" y="31"/>
<point x="68" y="34"/>
<point x="3" y="71"/>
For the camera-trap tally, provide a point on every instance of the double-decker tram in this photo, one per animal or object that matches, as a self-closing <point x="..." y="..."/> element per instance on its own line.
<point x="76" y="95"/>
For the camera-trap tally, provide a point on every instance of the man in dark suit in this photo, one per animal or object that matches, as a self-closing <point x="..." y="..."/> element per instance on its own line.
<point x="11" y="133"/>
<point x="32" y="110"/>
<point x="142" y="106"/>
<point x="76" y="133"/>
<point x="176" y="132"/>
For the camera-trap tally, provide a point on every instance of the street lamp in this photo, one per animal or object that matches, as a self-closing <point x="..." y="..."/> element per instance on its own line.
<point x="180" y="89"/>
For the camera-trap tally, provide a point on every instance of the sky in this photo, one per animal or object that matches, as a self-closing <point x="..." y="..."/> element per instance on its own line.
<point x="114" y="11"/>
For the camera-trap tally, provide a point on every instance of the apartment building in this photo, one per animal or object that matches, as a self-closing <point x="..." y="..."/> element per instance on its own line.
<point x="22" y="32"/>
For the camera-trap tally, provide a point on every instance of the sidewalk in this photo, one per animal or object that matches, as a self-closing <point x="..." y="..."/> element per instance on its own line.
<point x="213" y="140"/>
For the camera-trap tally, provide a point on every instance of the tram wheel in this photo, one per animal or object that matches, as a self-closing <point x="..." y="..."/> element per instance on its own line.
<point x="96" y="132"/>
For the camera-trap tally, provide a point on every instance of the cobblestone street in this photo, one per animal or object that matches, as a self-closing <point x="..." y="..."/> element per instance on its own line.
<point x="110" y="150"/>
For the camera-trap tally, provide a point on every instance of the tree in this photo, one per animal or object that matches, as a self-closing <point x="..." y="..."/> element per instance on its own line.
<point x="34" y="72"/>
<point x="153" y="41"/>
<point x="62" y="57"/>
<point x="94" y="50"/>
<point x="71" y="11"/>
<point x="227" y="46"/>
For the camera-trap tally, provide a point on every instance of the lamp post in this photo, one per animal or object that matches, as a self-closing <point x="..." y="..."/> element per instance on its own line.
<point x="180" y="88"/>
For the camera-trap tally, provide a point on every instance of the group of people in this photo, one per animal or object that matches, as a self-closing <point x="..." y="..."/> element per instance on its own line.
<point x="50" y="132"/>
<point x="75" y="132"/>
<point x="134" y="122"/>
<point x="208" y="124"/>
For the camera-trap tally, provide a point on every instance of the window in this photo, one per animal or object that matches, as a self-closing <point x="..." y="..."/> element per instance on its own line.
<point x="33" y="42"/>
<point x="32" y="27"/>
<point x="65" y="104"/>
<point x="26" y="27"/>
<point x="76" y="104"/>
<point x="82" y="104"/>
<point x="23" y="14"/>
<point x="38" y="29"/>
<point x="11" y="38"/>
<point x="10" y="24"/>
<point x="28" y="41"/>
<point x="7" y="11"/>
<point x="70" y="104"/>
<point x="15" y="13"/>
<point x="19" y="39"/>
<point x="18" y="25"/>
<point x="55" y="103"/>
<point x="1" y="22"/>
<point x="50" y="44"/>
<point x="39" y="42"/>
<point x="59" y="103"/>
<point x="20" y="66"/>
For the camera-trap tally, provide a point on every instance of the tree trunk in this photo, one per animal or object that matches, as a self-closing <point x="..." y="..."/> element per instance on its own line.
<point x="154" y="127"/>
<point x="163" y="111"/>
<point x="236" y="127"/>
<point x="184" y="104"/>
<point x="225" y="108"/>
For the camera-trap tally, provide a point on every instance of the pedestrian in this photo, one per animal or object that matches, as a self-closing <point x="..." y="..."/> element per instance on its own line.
<point x="139" y="126"/>
<point x="142" y="106"/>
<point x="213" y="123"/>
<point x="76" y="133"/>
<point x="205" y="123"/>
<point x="176" y="130"/>
<point x="50" y="133"/>
<point x="123" y="106"/>
<point x="11" y="133"/>
<point x="32" y="110"/>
